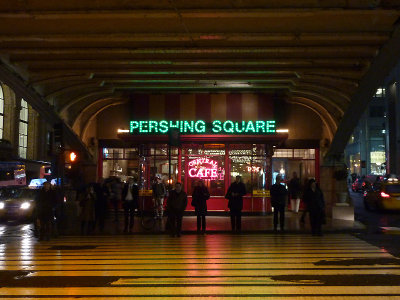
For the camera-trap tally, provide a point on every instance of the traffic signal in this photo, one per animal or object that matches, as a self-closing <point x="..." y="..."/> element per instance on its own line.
<point x="174" y="137"/>
<point x="58" y="133"/>
<point x="71" y="157"/>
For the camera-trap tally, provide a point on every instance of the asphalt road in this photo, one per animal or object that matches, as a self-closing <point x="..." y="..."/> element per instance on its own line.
<point x="219" y="266"/>
<point x="374" y="220"/>
<point x="387" y="240"/>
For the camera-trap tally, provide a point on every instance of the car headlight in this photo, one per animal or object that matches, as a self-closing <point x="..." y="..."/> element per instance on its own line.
<point x="1" y="205"/>
<point x="25" y="205"/>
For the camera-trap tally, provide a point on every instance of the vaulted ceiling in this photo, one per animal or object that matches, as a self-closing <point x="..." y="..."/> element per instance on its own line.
<point x="74" y="53"/>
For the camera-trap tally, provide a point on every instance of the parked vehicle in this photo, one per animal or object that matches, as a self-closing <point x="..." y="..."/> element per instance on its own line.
<point x="17" y="204"/>
<point x="360" y="185"/>
<point x="383" y="195"/>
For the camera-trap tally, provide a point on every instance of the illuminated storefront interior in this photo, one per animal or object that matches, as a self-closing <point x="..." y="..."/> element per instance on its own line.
<point x="217" y="164"/>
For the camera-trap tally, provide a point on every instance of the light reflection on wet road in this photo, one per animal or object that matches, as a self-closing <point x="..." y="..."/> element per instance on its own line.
<point x="293" y="266"/>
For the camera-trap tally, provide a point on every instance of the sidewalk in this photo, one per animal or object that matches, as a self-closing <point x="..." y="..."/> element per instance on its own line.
<point x="221" y="224"/>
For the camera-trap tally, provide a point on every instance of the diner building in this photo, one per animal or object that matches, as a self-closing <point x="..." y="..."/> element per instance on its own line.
<point x="209" y="137"/>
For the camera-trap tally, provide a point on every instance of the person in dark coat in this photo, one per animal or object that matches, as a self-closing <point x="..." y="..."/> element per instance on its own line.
<point x="176" y="205"/>
<point x="115" y="196"/>
<point x="294" y="192"/>
<point x="101" y="204"/>
<point x="314" y="199"/>
<point x="279" y="195"/>
<point x="87" y="204"/>
<point x="200" y="196"/>
<point x="235" y="196"/>
<point x="159" y="192"/>
<point x="303" y="215"/>
<point x="44" y="209"/>
<point x="58" y="224"/>
<point x="130" y="202"/>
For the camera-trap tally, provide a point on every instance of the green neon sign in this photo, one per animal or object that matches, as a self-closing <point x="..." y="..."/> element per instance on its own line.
<point x="200" y="126"/>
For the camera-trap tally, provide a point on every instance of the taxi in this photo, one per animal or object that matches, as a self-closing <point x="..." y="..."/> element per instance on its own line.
<point x="383" y="195"/>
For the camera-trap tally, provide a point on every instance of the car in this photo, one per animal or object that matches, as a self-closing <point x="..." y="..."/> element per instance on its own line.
<point x="360" y="185"/>
<point x="17" y="204"/>
<point x="383" y="195"/>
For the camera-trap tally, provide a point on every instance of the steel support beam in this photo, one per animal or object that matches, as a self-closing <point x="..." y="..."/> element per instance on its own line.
<point x="384" y="62"/>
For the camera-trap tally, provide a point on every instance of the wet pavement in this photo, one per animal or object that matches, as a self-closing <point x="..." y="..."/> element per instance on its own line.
<point x="215" y="224"/>
<point x="373" y="220"/>
<point x="284" y="266"/>
<point x="350" y="261"/>
<point x="382" y="228"/>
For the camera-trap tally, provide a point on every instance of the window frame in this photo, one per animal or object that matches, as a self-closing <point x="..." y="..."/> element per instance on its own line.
<point x="23" y="120"/>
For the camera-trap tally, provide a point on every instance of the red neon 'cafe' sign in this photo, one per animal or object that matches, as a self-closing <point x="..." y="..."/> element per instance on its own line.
<point x="204" y="168"/>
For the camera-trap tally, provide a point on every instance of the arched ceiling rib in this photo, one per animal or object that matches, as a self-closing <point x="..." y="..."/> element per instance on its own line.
<point x="324" y="115"/>
<point x="74" y="52"/>
<point x="89" y="115"/>
<point x="334" y="110"/>
<point x="85" y="98"/>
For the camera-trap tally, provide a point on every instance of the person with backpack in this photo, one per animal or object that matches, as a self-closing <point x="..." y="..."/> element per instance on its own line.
<point x="200" y="196"/>
<point x="314" y="199"/>
<point x="279" y="195"/>
<point x="159" y="192"/>
<point x="176" y="205"/>
<point x="235" y="194"/>
<point x="130" y="202"/>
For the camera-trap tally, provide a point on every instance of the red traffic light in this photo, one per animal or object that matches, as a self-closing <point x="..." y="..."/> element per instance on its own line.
<point x="73" y="156"/>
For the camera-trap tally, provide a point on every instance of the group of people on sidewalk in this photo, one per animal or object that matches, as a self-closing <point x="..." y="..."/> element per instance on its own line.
<point x="95" y="200"/>
<point x="313" y="199"/>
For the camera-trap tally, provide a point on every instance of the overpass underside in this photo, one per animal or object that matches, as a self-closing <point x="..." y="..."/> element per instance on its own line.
<point x="95" y="67"/>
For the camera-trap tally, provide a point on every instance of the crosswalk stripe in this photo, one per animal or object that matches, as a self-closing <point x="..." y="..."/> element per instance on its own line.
<point x="201" y="291"/>
<point x="184" y="267"/>
<point x="204" y="272"/>
<point x="217" y="266"/>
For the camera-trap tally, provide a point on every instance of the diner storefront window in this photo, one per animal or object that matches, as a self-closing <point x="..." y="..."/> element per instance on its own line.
<point x="287" y="161"/>
<point x="216" y="164"/>
<point x="206" y="163"/>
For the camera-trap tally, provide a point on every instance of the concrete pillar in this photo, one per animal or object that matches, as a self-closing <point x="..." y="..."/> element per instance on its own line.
<point x="394" y="134"/>
<point x="334" y="189"/>
<point x="364" y="143"/>
<point x="387" y="150"/>
<point x="328" y="187"/>
<point x="41" y="139"/>
<point x="33" y="134"/>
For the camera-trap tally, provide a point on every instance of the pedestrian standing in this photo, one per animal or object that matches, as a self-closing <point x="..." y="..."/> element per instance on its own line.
<point x="101" y="204"/>
<point x="130" y="202"/>
<point x="303" y="215"/>
<point x="279" y="196"/>
<point x="115" y="196"/>
<point x="314" y="199"/>
<point x="87" y="204"/>
<point x="176" y="205"/>
<point x="200" y="196"/>
<point x="159" y="192"/>
<point x="235" y="194"/>
<point x="294" y="193"/>
<point x="45" y="205"/>
<point x="58" y="222"/>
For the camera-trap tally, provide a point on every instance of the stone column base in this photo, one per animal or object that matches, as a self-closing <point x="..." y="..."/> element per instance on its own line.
<point x="343" y="211"/>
